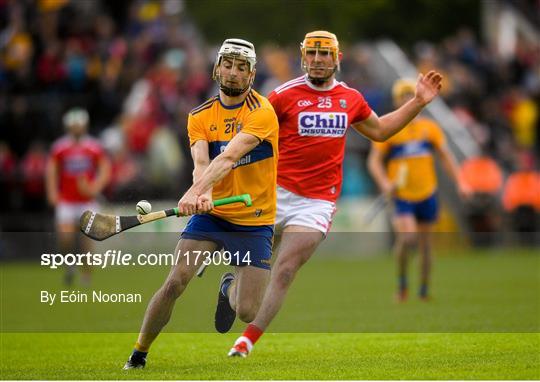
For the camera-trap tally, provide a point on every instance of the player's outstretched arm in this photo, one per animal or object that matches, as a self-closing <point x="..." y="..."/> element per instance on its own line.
<point x="239" y="146"/>
<point x="380" y="129"/>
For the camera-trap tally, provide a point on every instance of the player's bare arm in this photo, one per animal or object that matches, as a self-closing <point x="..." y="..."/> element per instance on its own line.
<point x="240" y="145"/>
<point x="376" y="168"/>
<point x="51" y="182"/>
<point x="451" y="167"/>
<point x="94" y="188"/>
<point x="380" y="129"/>
<point x="201" y="161"/>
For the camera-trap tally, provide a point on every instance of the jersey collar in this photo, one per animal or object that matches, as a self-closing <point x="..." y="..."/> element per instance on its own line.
<point x="232" y="106"/>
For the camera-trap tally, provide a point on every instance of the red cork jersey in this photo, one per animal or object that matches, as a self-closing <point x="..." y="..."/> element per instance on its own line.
<point x="312" y="127"/>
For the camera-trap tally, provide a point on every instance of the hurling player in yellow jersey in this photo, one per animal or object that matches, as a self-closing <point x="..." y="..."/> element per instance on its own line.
<point x="233" y="138"/>
<point x="411" y="181"/>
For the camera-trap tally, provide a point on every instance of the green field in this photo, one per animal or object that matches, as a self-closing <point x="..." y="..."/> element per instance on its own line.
<point x="339" y="322"/>
<point x="277" y="356"/>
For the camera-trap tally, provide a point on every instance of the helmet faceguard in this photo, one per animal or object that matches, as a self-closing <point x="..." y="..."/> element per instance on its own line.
<point x="320" y="41"/>
<point x="235" y="49"/>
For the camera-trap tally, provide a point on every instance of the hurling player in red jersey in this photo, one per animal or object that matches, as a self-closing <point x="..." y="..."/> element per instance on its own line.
<point x="77" y="171"/>
<point x="314" y="112"/>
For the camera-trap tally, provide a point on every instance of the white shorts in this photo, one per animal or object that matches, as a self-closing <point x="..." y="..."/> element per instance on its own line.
<point x="293" y="209"/>
<point x="70" y="213"/>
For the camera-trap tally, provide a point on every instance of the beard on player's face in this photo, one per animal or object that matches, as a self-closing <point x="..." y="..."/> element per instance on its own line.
<point x="233" y="87"/>
<point x="320" y="67"/>
<point x="319" y="75"/>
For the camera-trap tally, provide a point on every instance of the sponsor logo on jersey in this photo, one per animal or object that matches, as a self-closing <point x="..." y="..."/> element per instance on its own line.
<point x="322" y="124"/>
<point x="410" y="149"/>
<point x="416" y="148"/>
<point x="243" y="161"/>
<point x="258" y="212"/>
<point x="304" y="103"/>
<point x="77" y="164"/>
<point x="261" y="152"/>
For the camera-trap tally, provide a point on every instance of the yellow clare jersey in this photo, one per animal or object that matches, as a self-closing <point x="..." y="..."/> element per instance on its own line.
<point x="255" y="173"/>
<point x="412" y="148"/>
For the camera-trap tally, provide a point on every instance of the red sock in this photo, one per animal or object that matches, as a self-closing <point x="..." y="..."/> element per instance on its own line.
<point x="253" y="333"/>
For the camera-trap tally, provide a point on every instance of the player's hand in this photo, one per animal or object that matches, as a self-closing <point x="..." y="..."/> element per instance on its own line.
<point x="187" y="205"/>
<point x="86" y="187"/>
<point x="52" y="199"/>
<point x="428" y="87"/>
<point x="204" y="203"/>
<point x="388" y="189"/>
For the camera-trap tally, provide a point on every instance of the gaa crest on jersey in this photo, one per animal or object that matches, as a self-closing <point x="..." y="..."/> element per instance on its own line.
<point x="304" y="103"/>
<point x="343" y="103"/>
<point x="322" y="124"/>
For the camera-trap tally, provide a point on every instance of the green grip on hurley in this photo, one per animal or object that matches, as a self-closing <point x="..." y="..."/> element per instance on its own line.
<point x="244" y="198"/>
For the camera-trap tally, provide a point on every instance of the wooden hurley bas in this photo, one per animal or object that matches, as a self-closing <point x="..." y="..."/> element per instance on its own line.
<point x="100" y="226"/>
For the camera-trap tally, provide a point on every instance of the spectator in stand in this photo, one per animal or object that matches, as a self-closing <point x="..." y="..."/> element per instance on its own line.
<point x="50" y="68"/>
<point x="124" y="175"/>
<point x="8" y="168"/>
<point x="523" y="117"/>
<point x="16" y="43"/>
<point x="32" y="169"/>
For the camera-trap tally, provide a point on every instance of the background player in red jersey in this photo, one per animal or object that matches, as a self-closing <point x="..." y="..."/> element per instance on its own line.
<point x="77" y="172"/>
<point x="314" y="112"/>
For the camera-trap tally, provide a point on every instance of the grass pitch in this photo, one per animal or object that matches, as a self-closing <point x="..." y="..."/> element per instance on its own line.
<point x="276" y="356"/>
<point x="484" y="323"/>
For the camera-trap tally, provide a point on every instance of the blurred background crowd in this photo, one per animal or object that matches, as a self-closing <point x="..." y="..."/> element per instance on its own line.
<point x="139" y="67"/>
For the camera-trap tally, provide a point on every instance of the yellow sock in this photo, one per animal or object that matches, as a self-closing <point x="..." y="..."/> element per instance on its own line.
<point x="141" y="348"/>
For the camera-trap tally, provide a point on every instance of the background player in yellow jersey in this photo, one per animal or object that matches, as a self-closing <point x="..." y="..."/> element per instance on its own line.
<point x="409" y="156"/>
<point x="233" y="139"/>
